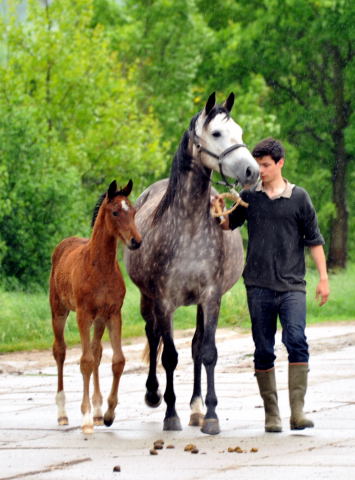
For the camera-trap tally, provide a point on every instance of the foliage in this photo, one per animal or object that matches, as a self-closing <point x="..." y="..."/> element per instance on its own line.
<point x="70" y="124"/>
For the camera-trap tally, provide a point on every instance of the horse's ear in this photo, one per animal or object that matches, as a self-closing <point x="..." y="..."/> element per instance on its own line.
<point x="211" y="102"/>
<point x="127" y="189"/>
<point x="111" y="192"/>
<point x="229" y="102"/>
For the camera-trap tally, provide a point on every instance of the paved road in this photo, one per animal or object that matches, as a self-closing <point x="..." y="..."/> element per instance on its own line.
<point x="33" y="446"/>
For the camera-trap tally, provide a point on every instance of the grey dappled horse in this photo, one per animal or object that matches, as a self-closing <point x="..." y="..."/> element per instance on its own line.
<point x="186" y="258"/>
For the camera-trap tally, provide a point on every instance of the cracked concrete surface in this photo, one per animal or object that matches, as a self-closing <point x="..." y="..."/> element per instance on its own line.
<point x="33" y="446"/>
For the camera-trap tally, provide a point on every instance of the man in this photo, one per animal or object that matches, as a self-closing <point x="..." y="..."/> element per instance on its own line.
<point x="281" y="222"/>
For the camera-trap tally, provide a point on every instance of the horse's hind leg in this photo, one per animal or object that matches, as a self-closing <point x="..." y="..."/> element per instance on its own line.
<point x="196" y="403"/>
<point x="153" y="396"/>
<point x="96" y="348"/>
<point x="59" y="317"/>
<point x="118" y="363"/>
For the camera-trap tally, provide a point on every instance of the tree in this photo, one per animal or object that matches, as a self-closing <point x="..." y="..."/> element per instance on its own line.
<point x="304" y="49"/>
<point x="70" y="123"/>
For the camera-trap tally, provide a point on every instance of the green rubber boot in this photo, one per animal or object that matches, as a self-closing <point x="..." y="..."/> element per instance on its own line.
<point x="267" y="386"/>
<point x="297" y="387"/>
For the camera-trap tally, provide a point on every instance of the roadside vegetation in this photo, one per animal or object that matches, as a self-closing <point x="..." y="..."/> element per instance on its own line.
<point x="25" y="317"/>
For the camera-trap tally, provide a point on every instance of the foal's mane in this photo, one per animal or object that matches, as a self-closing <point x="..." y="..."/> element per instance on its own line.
<point x="95" y="212"/>
<point x="182" y="161"/>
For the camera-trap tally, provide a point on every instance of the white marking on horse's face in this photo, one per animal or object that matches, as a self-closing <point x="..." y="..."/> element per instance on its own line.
<point x="124" y="206"/>
<point x="220" y="134"/>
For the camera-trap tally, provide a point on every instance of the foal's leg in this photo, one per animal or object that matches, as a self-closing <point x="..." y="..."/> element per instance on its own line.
<point x="59" y="317"/>
<point x="209" y="358"/>
<point x="118" y="363"/>
<point x="86" y="367"/>
<point x="196" y="403"/>
<point x="153" y="396"/>
<point x="96" y="348"/>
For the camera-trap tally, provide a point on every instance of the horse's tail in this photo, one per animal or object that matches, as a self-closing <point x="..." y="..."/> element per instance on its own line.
<point x="146" y="351"/>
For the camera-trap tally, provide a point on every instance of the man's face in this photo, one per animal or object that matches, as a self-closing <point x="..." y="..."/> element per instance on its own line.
<point x="269" y="170"/>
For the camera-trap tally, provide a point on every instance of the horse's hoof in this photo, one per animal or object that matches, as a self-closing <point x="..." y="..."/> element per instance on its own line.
<point x="172" y="423"/>
<point x="98" y="421"/>
<point x="88" y="429"/>
<point x="153" y="399"/>
<point x="108" y="420"/>
<point x="196" y="419"/>
<point x="63" y="421"/>
<point x="210" y="426"/>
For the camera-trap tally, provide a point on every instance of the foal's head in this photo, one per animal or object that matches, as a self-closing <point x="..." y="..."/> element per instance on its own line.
<point x="118" y="215"/>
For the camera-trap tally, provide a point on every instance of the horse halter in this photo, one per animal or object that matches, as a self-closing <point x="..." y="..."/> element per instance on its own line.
<point x="220" y="158"/>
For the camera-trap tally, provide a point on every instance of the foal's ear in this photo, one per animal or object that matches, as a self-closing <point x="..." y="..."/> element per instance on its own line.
<point x="211" y="102"/>
<point x="229" y="102"/>
<point x="111" y="192"/>
<point x="126" y="190"/>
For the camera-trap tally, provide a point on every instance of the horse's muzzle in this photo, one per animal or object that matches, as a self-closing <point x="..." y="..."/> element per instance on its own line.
<point x="133" y="245"/>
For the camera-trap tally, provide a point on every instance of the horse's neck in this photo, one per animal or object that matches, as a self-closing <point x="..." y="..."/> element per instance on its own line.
<point x="102" y="245"/>
<point x="193" y="196"/>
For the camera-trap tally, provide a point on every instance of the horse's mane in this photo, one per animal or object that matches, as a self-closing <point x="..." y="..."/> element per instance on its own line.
<point x="182" y="161"/>
<point x="95" y="212"/>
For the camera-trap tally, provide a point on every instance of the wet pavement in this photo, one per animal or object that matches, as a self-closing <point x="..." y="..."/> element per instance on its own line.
<point x="33" y="446"/>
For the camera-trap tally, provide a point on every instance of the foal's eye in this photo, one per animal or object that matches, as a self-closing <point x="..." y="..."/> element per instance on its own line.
<point x="216" y="134"/>
<point x="115" y="214"/>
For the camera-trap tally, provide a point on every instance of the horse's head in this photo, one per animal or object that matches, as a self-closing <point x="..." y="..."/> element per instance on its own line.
<point x="119" y="215"/>
<point x="217" y="141"/>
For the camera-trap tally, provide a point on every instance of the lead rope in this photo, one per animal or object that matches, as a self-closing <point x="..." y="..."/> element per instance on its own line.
<point x="218" y="211"/>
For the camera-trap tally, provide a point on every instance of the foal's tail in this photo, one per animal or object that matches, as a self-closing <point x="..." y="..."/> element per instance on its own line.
<point x="146" y="351"/>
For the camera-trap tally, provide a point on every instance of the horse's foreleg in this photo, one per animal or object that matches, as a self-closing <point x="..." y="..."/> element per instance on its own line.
<point x="96" y="348"/>
<point x="153" y="396"/>
<point x="86" y="367"/>
<point x="209" y="359"/>
<point x="196" y="403"/>
<point x="170" y="360"/>
<point x="118" y="363"/>
<point x="59" y="351"/>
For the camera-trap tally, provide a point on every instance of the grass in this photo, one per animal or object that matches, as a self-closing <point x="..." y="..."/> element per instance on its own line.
<point x="25" y="318"/>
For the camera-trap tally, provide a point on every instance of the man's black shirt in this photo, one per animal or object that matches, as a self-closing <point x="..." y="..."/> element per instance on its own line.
<point x="278" y="231"/>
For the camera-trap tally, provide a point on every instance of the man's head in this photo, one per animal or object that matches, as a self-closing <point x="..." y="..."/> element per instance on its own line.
<point x="269" y="147"/>
<point x="269" y="153"/>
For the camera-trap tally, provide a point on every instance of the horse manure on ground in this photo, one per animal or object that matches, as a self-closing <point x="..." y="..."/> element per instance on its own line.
<point x="189" y="447"/>
<point x="116" y="468"/>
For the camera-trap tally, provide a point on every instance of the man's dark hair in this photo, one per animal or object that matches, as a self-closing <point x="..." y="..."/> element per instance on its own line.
<point x="269" y="146"/>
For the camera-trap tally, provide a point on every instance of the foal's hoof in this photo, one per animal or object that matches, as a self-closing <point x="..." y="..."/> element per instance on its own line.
<point x="63" y="421"/>
<point x="98" y="421"/>
<point x="196" y="419"/>
<point x="172" y="423"/>
<point x="153" y="399"/>
<point x="88" y="429"/>
<point x="210" y="426"/>
<point x="108" y="420"/>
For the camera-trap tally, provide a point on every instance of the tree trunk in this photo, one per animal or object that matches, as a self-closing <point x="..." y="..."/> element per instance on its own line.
<point x="338" y="247"/>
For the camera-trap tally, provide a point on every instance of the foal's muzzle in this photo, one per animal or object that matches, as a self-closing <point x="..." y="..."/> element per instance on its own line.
<point x="133" y="244"/>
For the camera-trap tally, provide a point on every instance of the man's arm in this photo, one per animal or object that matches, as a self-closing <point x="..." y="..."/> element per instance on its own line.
<point x="322" y="290"/>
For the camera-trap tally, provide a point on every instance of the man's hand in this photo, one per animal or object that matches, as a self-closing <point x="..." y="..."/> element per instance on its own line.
<point x="322" y="291"/>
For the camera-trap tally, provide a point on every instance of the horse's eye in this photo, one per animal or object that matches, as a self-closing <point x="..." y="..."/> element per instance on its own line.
<point x="115" y="214"/>
<point x="216" y="134"/>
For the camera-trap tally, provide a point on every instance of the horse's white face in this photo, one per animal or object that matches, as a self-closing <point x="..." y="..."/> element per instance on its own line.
<point x="218" y="135"/>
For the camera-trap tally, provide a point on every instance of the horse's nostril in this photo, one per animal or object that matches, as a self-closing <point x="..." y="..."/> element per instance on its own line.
<point x="134" y="244"/>
<point x="248" y="172"/>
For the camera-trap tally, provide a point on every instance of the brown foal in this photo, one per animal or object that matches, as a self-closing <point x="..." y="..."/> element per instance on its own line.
<point x="86" y="278"/>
